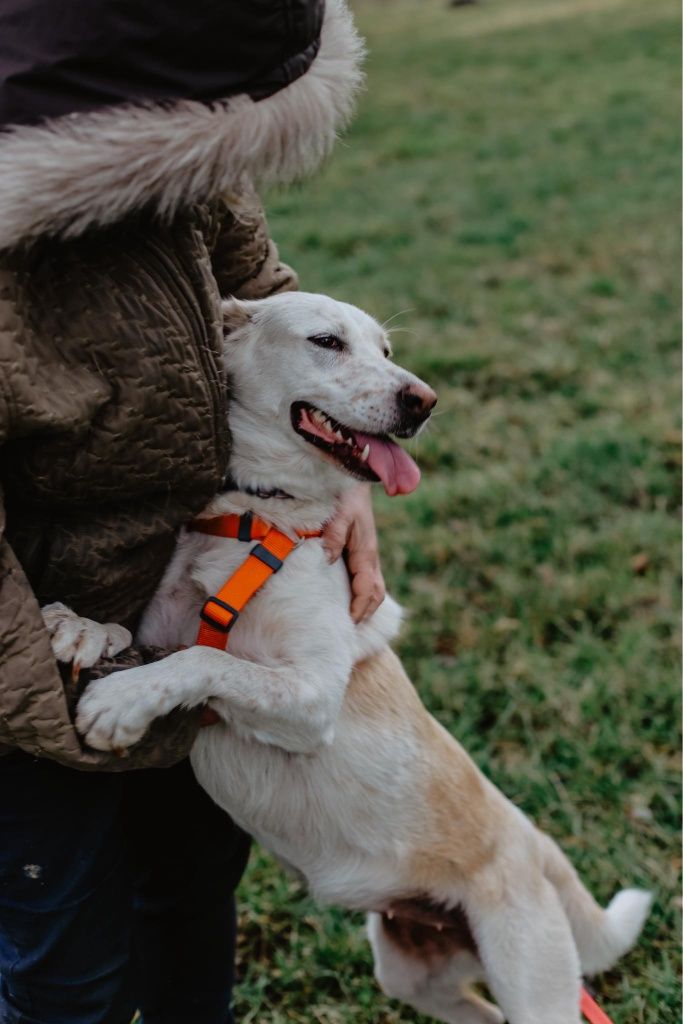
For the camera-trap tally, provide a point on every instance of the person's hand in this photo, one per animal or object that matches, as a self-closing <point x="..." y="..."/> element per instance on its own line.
<point x="352" y="532"/>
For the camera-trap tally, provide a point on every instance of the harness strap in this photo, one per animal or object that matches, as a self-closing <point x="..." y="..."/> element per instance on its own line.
<point x="245" y="527"/>
<point x="220" y="612"/>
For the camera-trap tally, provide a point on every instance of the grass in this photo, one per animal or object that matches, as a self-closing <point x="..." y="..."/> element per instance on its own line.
<point x="511" y="182"/>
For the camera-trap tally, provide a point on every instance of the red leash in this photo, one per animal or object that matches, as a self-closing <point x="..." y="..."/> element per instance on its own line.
<point x="591" y="1010"/>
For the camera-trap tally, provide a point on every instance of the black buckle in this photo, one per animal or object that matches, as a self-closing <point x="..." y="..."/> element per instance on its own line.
<point x="244" y="529"/>
<point x="212" y="622"/>
<point x="266" y="556"/>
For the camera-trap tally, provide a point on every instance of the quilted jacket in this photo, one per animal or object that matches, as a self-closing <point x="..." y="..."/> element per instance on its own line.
<point x="120" y="228"/>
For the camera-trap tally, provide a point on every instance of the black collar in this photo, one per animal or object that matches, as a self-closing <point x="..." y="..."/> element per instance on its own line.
<point x="229" y="484"/>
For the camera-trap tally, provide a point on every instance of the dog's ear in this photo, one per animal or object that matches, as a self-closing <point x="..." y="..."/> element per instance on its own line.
<point x="236" y="314"/>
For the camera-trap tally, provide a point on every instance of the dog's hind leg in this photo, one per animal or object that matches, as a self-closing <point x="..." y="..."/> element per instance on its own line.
<point x="429" y="970"/>
<point x="526" y="947"/>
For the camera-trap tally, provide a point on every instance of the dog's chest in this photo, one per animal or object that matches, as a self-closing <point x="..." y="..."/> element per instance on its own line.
<point x="272" y="619"/>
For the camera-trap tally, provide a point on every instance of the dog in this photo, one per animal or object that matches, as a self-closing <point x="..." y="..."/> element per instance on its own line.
<point x="323" y="750"/>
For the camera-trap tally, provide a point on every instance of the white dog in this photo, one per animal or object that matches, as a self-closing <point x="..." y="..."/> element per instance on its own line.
<point x="323" y="751"/>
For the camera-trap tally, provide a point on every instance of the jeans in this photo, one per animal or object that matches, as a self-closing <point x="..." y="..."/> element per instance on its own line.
<point x="116" y="894"/>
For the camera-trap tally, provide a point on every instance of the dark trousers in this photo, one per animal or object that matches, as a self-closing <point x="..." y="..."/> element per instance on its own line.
<point x="116" y="894"/>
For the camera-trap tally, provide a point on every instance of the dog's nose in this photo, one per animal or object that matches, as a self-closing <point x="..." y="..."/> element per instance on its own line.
<point x="416" y="400"/>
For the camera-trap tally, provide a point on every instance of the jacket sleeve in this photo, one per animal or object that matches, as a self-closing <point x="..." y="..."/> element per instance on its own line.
<point x="245" y="260"/>
<point x="35" y="712"/>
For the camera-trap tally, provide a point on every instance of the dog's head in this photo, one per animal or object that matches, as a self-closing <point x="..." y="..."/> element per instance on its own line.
<point x="314" y="387"/>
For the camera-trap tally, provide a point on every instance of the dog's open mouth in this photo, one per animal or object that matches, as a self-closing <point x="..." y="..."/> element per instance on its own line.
<point x="366" y="456"/>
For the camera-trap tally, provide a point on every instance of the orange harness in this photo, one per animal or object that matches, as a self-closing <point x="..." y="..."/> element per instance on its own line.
<point x="220" y="612"/>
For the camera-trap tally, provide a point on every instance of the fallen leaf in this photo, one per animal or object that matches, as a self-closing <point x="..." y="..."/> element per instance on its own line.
<point x="505" y="625"/>
<point x="640" y="563"/>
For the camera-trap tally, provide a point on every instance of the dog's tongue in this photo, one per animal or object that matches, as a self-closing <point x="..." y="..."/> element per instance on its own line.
<point x="393" y="466"/>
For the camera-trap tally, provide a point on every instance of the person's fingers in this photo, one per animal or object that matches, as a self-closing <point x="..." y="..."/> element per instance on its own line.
<point x="359" y="609"/>
<point x="335" y="535"/>
<point x="352" y="530"/>
<point x="363" y="608"/>
<point x="367" y="589"/>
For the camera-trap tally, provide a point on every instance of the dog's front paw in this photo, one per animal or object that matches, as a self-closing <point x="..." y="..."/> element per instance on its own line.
<point x="116" y="711"/>
<point x="82" y="641"/>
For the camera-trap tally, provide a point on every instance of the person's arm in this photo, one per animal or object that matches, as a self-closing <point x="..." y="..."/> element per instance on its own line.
<point x="38" y="697"/>
<point x="35" y="704"/>
<point x="245" y="260"/>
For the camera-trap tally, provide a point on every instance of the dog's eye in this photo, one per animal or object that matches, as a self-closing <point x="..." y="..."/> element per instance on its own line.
<point x="330" y="341"/>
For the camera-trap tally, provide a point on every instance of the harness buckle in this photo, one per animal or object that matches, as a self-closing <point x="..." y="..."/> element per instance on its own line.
<point x="244" y="529"/>
<point x="267" y="557"/>
<point x="219" y="623"/>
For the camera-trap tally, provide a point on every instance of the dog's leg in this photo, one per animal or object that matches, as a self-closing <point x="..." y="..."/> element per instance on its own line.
<point x="285" y="706"/>
<point x="433" y="982"/>
<point x="526" y="946"/>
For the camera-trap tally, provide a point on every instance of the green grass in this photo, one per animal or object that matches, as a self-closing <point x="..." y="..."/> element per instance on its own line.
<point x="512" y="182"/>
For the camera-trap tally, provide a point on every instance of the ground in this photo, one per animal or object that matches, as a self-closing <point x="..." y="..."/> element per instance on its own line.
<point x="510" y="190"/>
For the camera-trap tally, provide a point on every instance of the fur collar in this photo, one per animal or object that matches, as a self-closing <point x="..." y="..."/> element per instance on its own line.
<point x="86" y="170"/>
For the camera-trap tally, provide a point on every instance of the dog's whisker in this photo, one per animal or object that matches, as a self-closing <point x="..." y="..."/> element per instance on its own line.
<point x="411" y="309"/>
<point x="400" y="330"/>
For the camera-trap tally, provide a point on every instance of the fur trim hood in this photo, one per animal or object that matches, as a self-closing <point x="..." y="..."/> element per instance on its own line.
<point x="84" y="170"/>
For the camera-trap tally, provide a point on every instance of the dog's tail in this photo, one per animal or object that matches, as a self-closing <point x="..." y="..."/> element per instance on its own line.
<point x="601" y="936"/>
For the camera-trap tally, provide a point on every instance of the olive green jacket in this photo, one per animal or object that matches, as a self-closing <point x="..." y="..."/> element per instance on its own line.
<point x="113" y="418"/>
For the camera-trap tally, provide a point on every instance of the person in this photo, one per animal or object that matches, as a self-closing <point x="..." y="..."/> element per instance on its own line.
<point x="130" y="138"/>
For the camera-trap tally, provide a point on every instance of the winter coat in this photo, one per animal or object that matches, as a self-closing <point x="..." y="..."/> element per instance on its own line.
<point x="121" y="226"/>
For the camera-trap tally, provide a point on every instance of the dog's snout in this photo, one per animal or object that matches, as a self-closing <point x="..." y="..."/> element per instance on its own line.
<point x="416" y="400"/>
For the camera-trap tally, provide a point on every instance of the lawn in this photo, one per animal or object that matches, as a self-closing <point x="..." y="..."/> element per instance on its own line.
<point x="510" y="190"/>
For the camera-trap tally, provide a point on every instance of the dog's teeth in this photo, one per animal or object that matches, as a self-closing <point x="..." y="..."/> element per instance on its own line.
<point x="339" y="434"/>
<point x="439" y="927"/>
<point x="365" y="454"/>
<point x="390" y="915"/>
